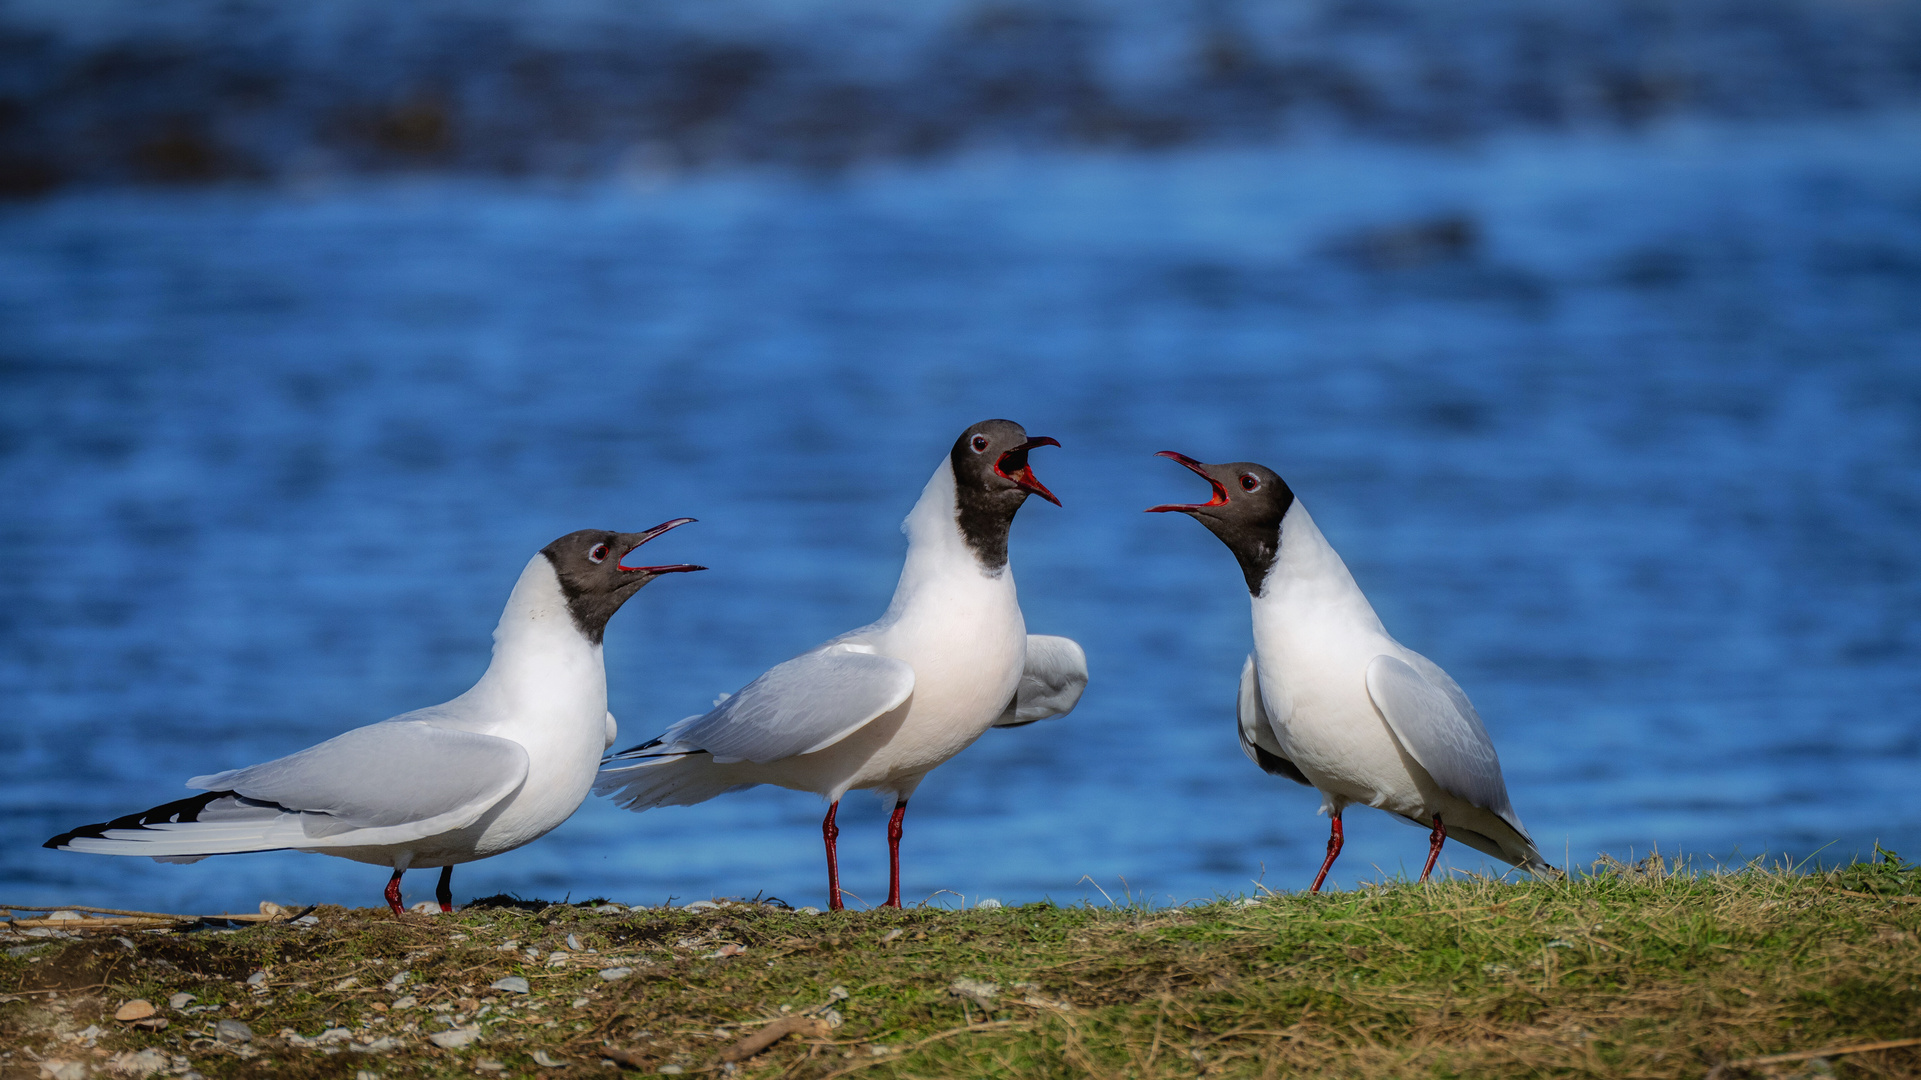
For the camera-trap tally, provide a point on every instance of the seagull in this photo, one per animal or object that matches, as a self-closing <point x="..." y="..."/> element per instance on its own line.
<point x="495" y="768"/>
<point x="1328" y="699"/>
<point x="879" y="707"/>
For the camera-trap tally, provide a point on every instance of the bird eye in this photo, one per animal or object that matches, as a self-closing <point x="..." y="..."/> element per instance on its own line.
<point x="598" y="554"/>
<point x="1250" y="482"/>
<point x="980" y="444"/>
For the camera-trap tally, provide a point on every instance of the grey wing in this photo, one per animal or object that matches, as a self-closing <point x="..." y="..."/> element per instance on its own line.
<point x="1258" y="741"/>
<point x="1441" y="731"/>
<point x="806" y="704"/>
<point x="410" y="776"/>
<point x="1052" y="679"/>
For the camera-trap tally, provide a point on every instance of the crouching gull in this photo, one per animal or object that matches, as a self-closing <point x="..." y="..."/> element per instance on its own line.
<point x="1329" y="699"/>
<point x="879" y="707"/>
<point x="494" y="768"/>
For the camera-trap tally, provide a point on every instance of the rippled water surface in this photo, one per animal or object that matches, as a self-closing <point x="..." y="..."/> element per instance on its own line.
<point x="1625" y="432"/>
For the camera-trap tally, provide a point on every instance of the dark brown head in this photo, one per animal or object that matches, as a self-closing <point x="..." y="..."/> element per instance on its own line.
<point x="991" y="481"/>
<point x="592" y="578"/>
<point x="1246" y="511"/>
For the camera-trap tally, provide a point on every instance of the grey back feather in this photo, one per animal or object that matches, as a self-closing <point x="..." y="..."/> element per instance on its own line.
<point x="389" y="774"/>
<point x="1440" y="730"/>
<point x="806" y="704"/>
<point x="1052" y="679"/>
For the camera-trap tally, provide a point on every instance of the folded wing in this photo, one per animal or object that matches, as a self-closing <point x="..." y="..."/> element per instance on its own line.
<point x="806" y="704"/>
<point x="388" y="783"/>
<point x="1258" y="740"/>
<point x="1439" y="728"/>
<point x="1052" y="679"/>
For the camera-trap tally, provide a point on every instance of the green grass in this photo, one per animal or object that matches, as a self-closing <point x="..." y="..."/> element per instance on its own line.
<point x="1626" y="972"/>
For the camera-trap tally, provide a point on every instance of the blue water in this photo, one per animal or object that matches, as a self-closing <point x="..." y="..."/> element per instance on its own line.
<point x="1624" y="431"/>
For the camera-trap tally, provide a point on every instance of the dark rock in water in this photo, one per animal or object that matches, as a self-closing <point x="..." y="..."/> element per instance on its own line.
<point x="1446" y="238"/>
<point x="224" y="91"/>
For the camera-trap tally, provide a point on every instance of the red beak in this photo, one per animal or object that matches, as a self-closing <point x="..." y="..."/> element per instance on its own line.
<point x="1200" y="469"/>
<point x="1023" y="476"/>
<point x="676" y="568"/>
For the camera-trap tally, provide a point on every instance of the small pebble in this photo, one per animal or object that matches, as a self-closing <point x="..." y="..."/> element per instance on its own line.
<point x="455" y="1039"/>
<point x="66" y="915"/>
<point x="513" y="984"/>
<point x="610" y="974"/>
<point x="406" y="1001"/>
<point x="990" y="902"/>
<point x="609" y="909"/>
<point x="891" y="935"/>
<point x="258" y="978"/>
<point x="137" y="1009"/>
<point x="670" y="1070"/>
<point x="232" y="1031"/>
<point x="307" y="920"/>
<point x="547" y="1061"/>
<point x="490" y="1065"/>
<point x="807" y="911"/>
<point x="181" y="1001"/>
<point x="580" y="1002"/>
<point x="702" y="905"/>
<point x="574" y="943"/>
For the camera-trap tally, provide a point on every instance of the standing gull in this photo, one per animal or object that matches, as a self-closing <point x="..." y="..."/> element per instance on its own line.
<point x="1329" y="699"/>
<point x="879" y="707"/>
<point x="494" y="768"/>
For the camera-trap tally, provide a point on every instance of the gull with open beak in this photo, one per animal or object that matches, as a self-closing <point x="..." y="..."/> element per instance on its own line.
<point x="879" y="707"/>
<point x="1330" y="700"/>
<point x="495" y="768"/>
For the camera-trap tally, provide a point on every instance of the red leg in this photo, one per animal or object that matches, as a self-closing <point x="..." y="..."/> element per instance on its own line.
<point x="445" y="892"/>
<point x="1434" y="842"/>
<point x="830" y="832"/>
<point x="1333" y="849"/>
<point x="893" y="854"/>
<point x="393" y="892"/>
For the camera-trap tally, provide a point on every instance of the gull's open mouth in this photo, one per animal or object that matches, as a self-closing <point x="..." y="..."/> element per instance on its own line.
<point x="675" y="568"/>
<point x="1021" y="475"/>
<point x="1200" y="469"/>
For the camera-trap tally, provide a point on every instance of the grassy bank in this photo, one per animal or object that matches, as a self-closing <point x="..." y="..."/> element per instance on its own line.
<point x="1630" y="972"/>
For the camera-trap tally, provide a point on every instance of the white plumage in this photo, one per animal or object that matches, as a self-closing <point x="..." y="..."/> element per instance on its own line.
<point x="1329" y="698"/>
<point x="489" y="771"/>
<point x="879" y="707"/>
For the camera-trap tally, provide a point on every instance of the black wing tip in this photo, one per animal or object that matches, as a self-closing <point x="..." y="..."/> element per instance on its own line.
<point x="180" y="811"/>
<point x="1276" y="765"/>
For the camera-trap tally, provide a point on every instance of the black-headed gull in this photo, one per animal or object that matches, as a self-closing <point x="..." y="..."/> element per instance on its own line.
<point x="494" y="768"/>
<point x="879" y="707"/>
<point x="1329" y="699"/>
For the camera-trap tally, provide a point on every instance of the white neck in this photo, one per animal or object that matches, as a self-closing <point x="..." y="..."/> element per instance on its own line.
<point x="1309" y="575"/>
<point x="544" y="670"/>
<point x="939" y="561"/>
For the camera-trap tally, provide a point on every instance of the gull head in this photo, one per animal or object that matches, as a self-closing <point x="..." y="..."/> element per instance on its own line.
<point x="1245" y="513"/>
<point x="590" y="565"/>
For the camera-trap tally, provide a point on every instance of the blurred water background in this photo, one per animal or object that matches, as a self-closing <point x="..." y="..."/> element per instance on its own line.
<point x="1591" y="333"/>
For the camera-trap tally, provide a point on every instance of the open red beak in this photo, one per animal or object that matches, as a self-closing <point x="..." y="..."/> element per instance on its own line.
<point x="676" y="568"/>
<point x="1022" y="475"/>
<point x="1200" y="469"/>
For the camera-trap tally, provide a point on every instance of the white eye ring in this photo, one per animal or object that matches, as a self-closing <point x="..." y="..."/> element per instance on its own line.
<point x="980" y="444"/>
<point x="1250" y="482"/>
<point x="598" y="553"/>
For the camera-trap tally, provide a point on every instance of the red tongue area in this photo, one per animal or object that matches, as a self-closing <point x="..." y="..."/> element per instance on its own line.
<point x="675" y="568"/>
<point x="1023" y="475"/>
<point x="1220" y="492"/>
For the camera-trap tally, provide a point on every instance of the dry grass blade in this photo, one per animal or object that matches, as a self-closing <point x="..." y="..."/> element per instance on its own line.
<point x="760" y="1040"/>
<point x="1808" y="1055"/>
<point x="934" y="1038"/>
